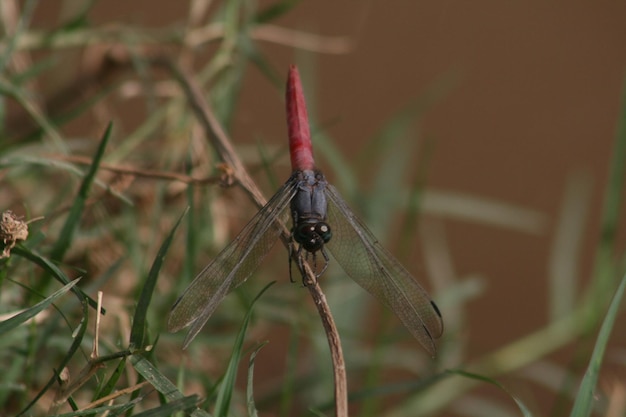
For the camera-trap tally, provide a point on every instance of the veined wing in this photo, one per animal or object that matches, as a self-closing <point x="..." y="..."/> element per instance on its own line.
<point x="232" y="266"/>
<point x="371" y="266"/>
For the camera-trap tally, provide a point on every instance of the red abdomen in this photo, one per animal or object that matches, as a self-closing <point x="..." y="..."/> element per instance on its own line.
<point x="300" y="147"/>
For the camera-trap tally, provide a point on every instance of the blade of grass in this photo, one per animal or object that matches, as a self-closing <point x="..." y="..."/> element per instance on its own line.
<point x="290" y="385"/>
<point x="584" y="402"/>
<point x="345" y="178"/>
<point x="267" y="163"/>
<point x="227" y="66"/>
<point x="525" y="411"/>
<point x="137" y="333"/>
<point x="410" y="386"/>
<point x="470" y="208"/>
<point x="566" y="248"/>
<point x="10" y="324"/>
<point x="78" y="335"/>
<point x="108" y="410"/>
<point x="21" y="162"/>
<point x="225" y="393"/>
<point x="371" y="405"/>
<point x="109" y="386"/>
<point x="192" y="238"/>
<point x="64" y="240"/>
<point x="414" y="199"/>
<point x="23" y="99"/>
<point x="166" y="410"/>
<point x="37" y="69"/>
<point x="604" y="271"/>
<point x="161" y="383"/>
<point x="25" y="15"/>
<point x="250" y="388"/>
<point x="54" y="271"/>
<point x="258" y="59"/>
<point x="274" y="11"/>
<point x="62" y="115"/>
<point x="509" y="358"/>
<point x="405" y="118"/>
<point x="388" y="181"/>
<point x="12" y="379"/>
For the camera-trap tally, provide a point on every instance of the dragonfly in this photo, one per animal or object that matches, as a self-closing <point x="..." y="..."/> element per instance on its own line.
<point x="321" y="221"/>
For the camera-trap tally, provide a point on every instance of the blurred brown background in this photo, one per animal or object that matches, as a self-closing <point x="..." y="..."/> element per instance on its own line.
<point x="530" y="98"/>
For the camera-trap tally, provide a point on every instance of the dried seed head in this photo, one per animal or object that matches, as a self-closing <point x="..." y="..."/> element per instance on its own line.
<point x="12" y="229"/>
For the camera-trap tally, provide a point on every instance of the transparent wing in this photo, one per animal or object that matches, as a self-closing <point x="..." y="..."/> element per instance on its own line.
<point x="232" y="266"/>
<point x="371" y="266"/>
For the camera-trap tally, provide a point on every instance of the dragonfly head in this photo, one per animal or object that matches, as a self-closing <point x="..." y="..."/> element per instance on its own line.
<point x="312" y="236"/>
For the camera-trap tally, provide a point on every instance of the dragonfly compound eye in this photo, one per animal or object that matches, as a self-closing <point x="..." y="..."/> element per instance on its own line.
<point x="312" y="236"/>
<point x="323" y="230"/>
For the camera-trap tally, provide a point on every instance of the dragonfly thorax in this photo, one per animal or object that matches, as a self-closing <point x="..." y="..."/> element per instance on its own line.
<point x="312" y="236"/>
<point x="308" y="211"/>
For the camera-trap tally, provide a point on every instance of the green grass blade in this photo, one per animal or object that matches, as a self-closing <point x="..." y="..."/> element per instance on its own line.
<point x="603" y="269"/>
<point x="166" y="410"/>
<point x="63" y="116"/>
<point x="414" y="199"/>
<point x="163" y="385"/>
<point x="73" y="219"/>
<point x="192" y="237"/>
<point x="525" y="411"/>
<point x="411" y="386"/>
<point x="585" y="398"/>
<point x="77" y="341"/>
<point x="274" y="11"/>
<point x="34" y="71"/>
<point x="475" y="209"/>
<point x="617" y="176"/>
<point x="108" y="387"/>
<point x="53" y="270"/>
<point x="395" y="157"/>
<point x="250" y="388"/>
<point x="290" y="382"/>
<point x="26" y="14"/>
<point x="564" y="268"/>
<point x="10" y="324"/>
<point x="259" y="60"/>
<point x="21" y="160"/>
<point x="228" y="65"/>
<point x="137" y="333"/>
<point x="344" y="176"/>
<point x="22" y="98"/>
<point x="227" y="387"/>
<point x="151" y="374"/>
<point x="108" y="410"/>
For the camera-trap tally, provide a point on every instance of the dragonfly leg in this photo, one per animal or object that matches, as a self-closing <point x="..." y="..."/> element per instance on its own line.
<point x="300" y="261"/>
<point x="302" y="258"/>
<point x="291" y="252"/>
<point x="326" y="261"/>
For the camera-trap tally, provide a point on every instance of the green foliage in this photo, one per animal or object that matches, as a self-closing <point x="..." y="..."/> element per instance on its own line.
<point x="112" y="223"/>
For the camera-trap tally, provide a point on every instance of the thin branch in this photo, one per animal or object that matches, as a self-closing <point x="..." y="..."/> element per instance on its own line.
<point x="334" y="343"/>
<point x="225" y="179"/>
